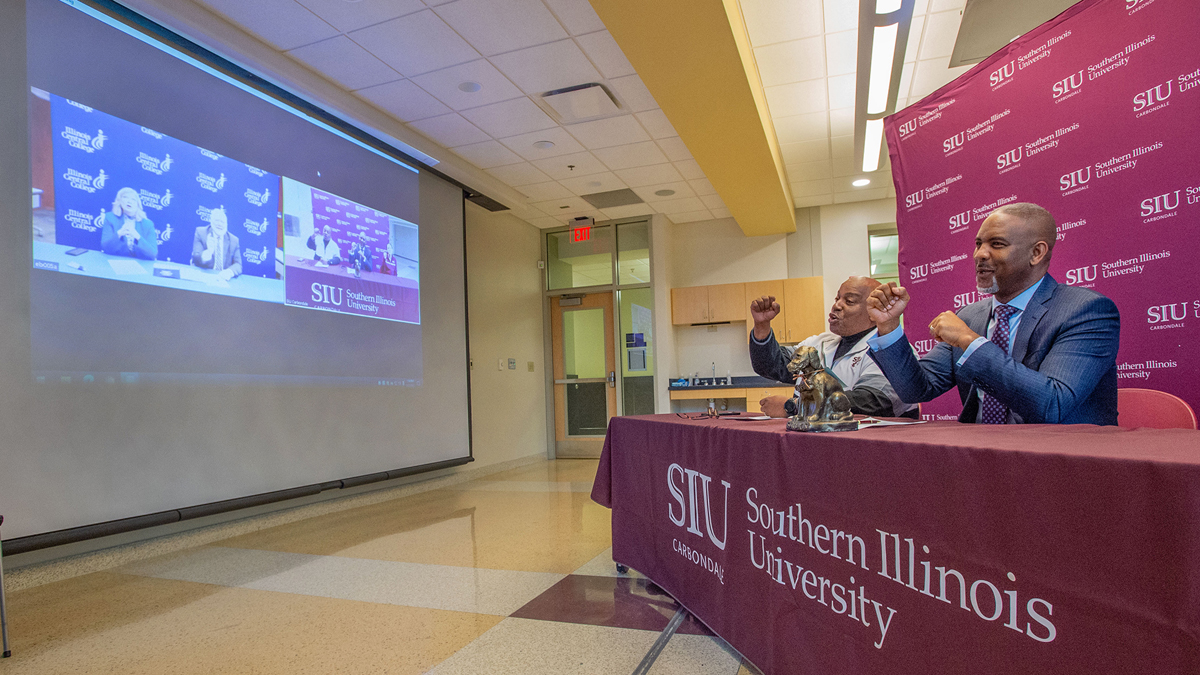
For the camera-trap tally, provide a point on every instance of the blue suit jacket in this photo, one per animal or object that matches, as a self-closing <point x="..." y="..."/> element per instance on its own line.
<point x="1063" y="367"/>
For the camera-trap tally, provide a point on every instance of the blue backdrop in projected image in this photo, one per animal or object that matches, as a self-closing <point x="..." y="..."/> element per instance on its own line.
<point x="104" y="165"/>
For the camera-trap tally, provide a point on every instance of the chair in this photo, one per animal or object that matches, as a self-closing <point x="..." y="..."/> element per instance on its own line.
<point x="1154" y="409"/>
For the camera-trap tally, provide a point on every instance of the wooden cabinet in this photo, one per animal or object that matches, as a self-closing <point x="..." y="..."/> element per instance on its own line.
<point x="708" y="304"/>
<point x="807" y="308"/>
<point x="753" y="396"/>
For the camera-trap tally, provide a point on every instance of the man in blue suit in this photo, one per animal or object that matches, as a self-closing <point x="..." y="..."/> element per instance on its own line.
<point x="1036" y="352"/>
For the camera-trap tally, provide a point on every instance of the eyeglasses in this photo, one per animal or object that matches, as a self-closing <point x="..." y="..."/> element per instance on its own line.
<point x="698" y="416"/>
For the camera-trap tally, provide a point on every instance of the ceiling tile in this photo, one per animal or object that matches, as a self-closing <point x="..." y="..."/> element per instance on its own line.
<point x="943" y="5"/>
<point x="577" y="15"/>
<point x="348" y="16"/>
<point x="796" y="98"/>
<point x="510" y="118"/>
<point x="669" y="206"/>
<point x="602" y="49"/>
<point x="859" y="196"/>
<point x="519" y="174"/>
<point x="564" y="144"/>
<point x="879" y="180"/>
<point x="553" y="207"/>
<point x="792" y="61"/>
<point x="680" y="190"/>
<point x="444" y="85"/>
<point x="656" y="123"/>
<point x="540" y="192"/>
<point x="629" y="156"/>
<point x="841" y="52"/>
<point x="841" y="122"/>
<point x="628" y="211"/>
<point x="597" y="182"/>
<point x="816" y="200"/>
<point x="771" y="21"/>
<point x="690" y="217"/>
<point x="841" y="91"/>
<point x="633" y="93"/>
<point x="450" y="130"/>
<point x="920" y="7"/>
<point x="547" y="67"/>
<point x="404" y="100"/>
<point x="842" y="146"/>
<point x="806" y="151"/>
<point x="487" y="154"/>
<point x="650" y="175"/>
<point x="569" y="166"/>
<point x="931" y="75"/>
<point x="798" y="128"/>
<point x="674" y="148"/>
<point x="798" y="173"/>
<point x="840" y="15"/>
<point x="911" y="51"/>
<point x="712" y="202"/>
<point x="811" y="188"/>
<point x="415" y="44"/>
<point x="282" y="23"/>
<point x="344" y="62"/>
<point x="721" y="213"/>
<point x="689" y="169"/>
<point x="497" y="26"/>
<point x="608" y="132"/>
<point x="545" y="222"/>
<point x="702" y="186"/>
<point x="941" y="30"/>
<point x="906" y="75"/>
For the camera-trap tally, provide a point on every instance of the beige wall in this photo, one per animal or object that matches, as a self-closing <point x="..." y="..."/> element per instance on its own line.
<point x="508" y="407"/>
<point x="845" y="250"/>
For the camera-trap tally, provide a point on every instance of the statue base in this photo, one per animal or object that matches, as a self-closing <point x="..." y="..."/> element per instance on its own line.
<point x="801" y="424"/>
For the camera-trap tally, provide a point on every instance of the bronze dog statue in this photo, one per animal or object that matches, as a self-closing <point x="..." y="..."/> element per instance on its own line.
<point x="821" y="403"/>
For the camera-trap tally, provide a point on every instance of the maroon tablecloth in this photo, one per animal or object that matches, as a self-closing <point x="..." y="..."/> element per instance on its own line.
<point x="1078" y="547"/>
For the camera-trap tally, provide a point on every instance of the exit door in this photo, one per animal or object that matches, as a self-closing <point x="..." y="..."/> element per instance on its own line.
<point x="585" y="394"/>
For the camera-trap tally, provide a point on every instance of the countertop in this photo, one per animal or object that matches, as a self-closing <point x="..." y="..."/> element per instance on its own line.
<point x="744" y="382"/>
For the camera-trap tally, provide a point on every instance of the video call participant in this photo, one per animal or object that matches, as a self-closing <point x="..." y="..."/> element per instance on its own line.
<point x="388" y="264"/>
<point x="843" y="350"/>
<point x="360" y="259"/>
<point x="1050" y="355"/>
<point x="216" y="249"/>
<point x="324" y="248"/>
<point x="126" y="230"/>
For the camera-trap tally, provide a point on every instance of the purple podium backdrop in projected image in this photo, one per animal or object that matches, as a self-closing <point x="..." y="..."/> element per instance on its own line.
<point x="348" y="258"/>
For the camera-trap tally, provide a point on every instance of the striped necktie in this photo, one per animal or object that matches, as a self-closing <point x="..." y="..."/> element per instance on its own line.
<point x="995" y="412"/>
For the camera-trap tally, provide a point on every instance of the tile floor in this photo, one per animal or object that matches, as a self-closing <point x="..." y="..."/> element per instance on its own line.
<point x="508" y="574"/>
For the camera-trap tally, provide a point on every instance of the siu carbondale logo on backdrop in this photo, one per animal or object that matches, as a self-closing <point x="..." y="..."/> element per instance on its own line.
<point x="1166" y="317"/>
<point x="1067" y="87"/>
<point x="955" y="143"/>
<point x="257" y="229"/>
<point x="1123" y="266"/>
<point x="155" y="165"/>
<point x="959" y="221"/>
<point x="963" y="299"/>
<point x="1134" y="6"/>
<point x="81" y="140"/>
<point x="82" y="221"/>
<point x="1004" y="75"/>
<point x="1153" y="99"/>
<point x="1117" y="60"/>
<point x="907" y="129"/>
<point x="928" y="117"/>
<point x="86" y="181"/>
<point x="1075" y="181"/>
<point x="256" y="257"/>
<point x="210" y="183"/>
<point x="920" y="273"/>
<point x="255" y="198"/>
<point x="1082" y="276"/>
<point x="916" y="200"/>
<point x="1069" y="225"/>
<point x="153" y="200"/>
<point x="691" y="493"/>
<point x="1011" y="159"/>
<point x="1160" y="207"/>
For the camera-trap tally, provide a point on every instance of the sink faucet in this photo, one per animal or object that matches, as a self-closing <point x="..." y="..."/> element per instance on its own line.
<point x="714" y="367"/>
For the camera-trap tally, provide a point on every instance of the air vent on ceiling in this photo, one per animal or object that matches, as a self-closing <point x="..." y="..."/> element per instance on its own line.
<point x="605" y="200"/>
<point x="581" y="102"/>
<point x="485" y="201"/>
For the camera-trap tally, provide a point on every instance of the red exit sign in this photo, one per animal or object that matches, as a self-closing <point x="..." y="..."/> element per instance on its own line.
<point x="582" y="233"/>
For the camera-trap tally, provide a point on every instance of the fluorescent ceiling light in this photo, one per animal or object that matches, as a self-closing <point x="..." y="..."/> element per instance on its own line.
<point x="872" y="144"/>
<point x="883" y="50"/>
<point x="886" y="6"/>
<point x="861" y="182"/>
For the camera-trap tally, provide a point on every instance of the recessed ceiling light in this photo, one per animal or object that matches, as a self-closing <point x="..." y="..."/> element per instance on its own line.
<point x="861" y="182"/>
<point x="543" y="145"/>
<point x="664" y="193"/>
<point x="470" y="87"/>
<point x="593" y="183"/>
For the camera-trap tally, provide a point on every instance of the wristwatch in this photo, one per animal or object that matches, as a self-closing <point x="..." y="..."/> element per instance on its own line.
<point x="789" y="407"/>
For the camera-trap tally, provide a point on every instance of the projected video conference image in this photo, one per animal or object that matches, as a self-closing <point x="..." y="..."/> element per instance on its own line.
<point x="116" y="202"/>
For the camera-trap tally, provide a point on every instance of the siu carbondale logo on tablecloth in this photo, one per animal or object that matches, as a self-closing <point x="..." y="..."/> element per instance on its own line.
<point x="1091" y="115"/>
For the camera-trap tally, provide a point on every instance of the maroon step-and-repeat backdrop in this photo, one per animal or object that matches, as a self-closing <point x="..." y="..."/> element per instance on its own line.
<point x="1094" y="115"/>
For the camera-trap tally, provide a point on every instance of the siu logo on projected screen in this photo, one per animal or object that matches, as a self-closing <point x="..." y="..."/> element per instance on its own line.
<point x="210" y="183"/>
<point x="1067" y="87"/>
<point x="155" y="165"/>
<point x="153" y="200"/>
<point x="1152" y="100"/>
<point x="82" y="221"/>
<point x="1075" y="181"/>
<point x="257" y="229"/>
<point x="1166" y="317"/>
<point x="1002" y="75"/>
<point x="255" y="198"/>
<point x="1159" y="207"/>
<point x="85" y="182"/>
<point x="81" y="140"/>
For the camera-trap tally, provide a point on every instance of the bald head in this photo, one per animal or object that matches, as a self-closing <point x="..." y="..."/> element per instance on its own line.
<point x="848" y="315"/>
<point x="1038" y="222"/>
<point x="1012" y="249"/>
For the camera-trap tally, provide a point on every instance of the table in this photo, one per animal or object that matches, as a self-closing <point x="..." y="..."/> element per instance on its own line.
<point x="932" y="548"/>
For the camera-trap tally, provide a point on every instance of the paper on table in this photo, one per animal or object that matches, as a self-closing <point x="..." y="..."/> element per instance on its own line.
<point x="125" y="267"/>
<point x="755" y="418"/>
<point x="868" y="422"/>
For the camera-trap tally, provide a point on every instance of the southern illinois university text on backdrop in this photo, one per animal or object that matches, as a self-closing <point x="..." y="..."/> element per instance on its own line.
<point x="1091" y="115"/>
